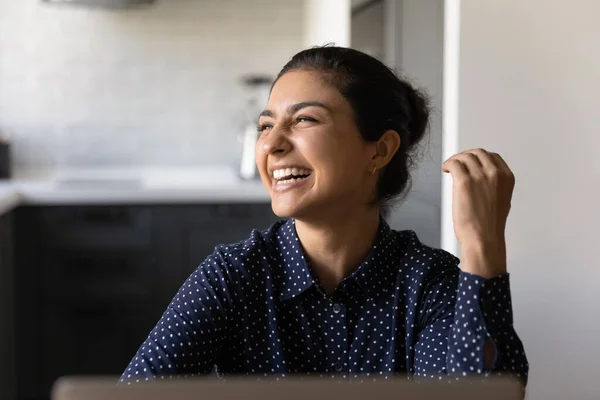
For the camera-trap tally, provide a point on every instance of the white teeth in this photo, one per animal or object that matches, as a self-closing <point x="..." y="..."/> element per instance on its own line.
<point x="290" y="180"/>
<point x="278" y="174"/>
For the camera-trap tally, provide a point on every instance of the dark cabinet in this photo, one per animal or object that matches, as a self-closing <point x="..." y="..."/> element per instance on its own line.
<point x="186" y="235"/>
<point x="200" y="240"/>
<point x="93" y="280"/>
<point x="7" y="309"/>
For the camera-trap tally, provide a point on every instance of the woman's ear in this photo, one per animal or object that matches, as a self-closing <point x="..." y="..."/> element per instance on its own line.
<point x="387" y="145"/>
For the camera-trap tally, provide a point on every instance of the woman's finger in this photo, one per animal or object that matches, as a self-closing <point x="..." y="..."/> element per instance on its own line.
<point x="471" y="163"/>
<point x="457" y="169"/>
<point x="502" y="165"/>
<point x="485" y="158"/>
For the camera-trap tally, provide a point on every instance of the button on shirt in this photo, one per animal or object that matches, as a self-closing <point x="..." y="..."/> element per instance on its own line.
<point x="257" y="308"/>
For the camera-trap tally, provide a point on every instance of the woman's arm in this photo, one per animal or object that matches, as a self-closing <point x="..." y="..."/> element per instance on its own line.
<point x="470" y="312"/>
<point x="189" y="338"/>
<point x="467" y="328"/>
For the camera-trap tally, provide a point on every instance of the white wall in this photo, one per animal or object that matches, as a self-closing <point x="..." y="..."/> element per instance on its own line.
<point x="326" y="21"/>
<point x="161" y="85"/>
<point x="529" y="84"/>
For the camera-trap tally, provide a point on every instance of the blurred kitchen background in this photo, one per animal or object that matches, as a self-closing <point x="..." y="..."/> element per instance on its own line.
<point x="161" y="85"/>
<point x="123" y="133"/>
<point x="126" y="126"/>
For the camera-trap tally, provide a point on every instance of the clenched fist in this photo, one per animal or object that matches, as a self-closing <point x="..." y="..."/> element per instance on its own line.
<point x="481" y="193"/>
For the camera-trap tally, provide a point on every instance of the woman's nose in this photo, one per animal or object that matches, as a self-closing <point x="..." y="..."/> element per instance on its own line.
<point x="275" y="142"/>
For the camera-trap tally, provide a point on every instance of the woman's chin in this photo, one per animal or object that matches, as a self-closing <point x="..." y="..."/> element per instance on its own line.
<point x="283" y="210"/>
<point x="285" y="206"/>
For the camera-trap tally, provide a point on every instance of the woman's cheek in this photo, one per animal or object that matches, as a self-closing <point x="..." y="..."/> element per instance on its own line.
<point x="316" y="143"/>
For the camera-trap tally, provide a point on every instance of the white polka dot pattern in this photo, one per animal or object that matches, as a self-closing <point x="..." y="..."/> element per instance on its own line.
<point x="255" y="308"/>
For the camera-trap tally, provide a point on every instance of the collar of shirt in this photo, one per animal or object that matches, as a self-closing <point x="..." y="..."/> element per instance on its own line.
<point x="374" y="276"/>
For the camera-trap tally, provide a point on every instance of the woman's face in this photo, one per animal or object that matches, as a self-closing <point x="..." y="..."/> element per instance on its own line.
<point x="310" y="154"/>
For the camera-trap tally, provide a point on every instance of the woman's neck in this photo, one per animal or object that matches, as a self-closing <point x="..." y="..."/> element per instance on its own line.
<point x="337" y="246"/>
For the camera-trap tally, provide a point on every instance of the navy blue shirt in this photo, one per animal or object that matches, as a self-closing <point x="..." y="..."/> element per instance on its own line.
<point x="257" y="308"/>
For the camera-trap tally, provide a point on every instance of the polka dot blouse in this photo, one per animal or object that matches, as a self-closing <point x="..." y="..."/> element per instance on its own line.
<point x="256" y="308"/>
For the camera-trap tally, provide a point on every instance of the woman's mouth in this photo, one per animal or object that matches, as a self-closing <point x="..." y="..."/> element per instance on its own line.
<point x="288" y="178"/>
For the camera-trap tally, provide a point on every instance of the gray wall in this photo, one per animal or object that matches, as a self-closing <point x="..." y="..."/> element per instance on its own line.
<point x="417" y="53"/>
<point x="154" y="86"/>
<point x="529" y="84"/>
<point x="367" y="33"/>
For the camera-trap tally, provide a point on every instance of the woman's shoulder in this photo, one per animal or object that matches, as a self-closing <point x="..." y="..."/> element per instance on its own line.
<point x="426" y="262"/>
<point x="245" y="254"/>
<point x="413" y="246"/>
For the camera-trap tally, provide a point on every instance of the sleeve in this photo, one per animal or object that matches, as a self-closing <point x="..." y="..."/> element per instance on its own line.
<point x="462" y="313"/>
<point x="193" y="330"/>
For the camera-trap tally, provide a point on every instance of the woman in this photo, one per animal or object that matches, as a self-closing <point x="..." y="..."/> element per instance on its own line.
<point x="332" y="289"/>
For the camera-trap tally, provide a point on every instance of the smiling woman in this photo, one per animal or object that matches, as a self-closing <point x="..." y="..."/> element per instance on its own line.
<point x="341" y="121"/>
<point x="332" y="290"/>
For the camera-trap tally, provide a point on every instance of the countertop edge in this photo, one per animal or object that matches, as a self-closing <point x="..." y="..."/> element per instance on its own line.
<point x="11" y="198"/>
<point x="130" y="186"/>
<point x="9" y="201"/>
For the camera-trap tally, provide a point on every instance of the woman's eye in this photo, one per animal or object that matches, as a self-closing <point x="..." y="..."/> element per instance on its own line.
<point x="263" y="127"/>
<point x="306" y="119"/>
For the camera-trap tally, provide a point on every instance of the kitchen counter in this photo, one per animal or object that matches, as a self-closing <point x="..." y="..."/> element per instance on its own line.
<point x="128" y="186"/>
<point x="9" y="198"/>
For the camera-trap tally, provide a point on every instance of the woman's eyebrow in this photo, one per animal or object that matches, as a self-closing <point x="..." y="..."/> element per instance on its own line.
<point x="294" y="108"/>
<point x="266" y="113"/>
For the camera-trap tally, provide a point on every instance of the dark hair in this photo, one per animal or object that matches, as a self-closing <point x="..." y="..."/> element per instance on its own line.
<point x="380" y="100"/>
